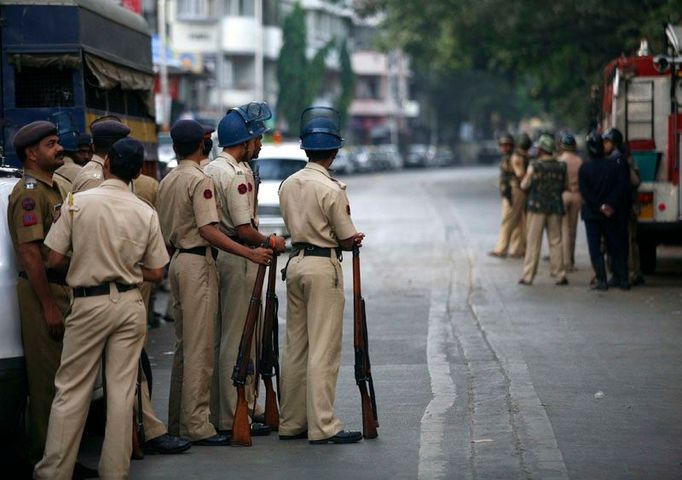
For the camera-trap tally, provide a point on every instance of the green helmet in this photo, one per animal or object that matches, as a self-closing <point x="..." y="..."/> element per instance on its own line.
<point x="546" y="143"/>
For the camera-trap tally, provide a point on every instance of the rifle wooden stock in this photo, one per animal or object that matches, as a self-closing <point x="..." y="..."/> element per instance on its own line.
<point x="269" y="363"/>
<point x="241" y="428"/>
<point x="363" y="370"/>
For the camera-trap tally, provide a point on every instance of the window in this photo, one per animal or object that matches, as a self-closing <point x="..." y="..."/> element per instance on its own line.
<point x="194" y="9"/>
<point x="36" y="87"/>
<point x="368" y="88"/>
<point x="239" y="8"/>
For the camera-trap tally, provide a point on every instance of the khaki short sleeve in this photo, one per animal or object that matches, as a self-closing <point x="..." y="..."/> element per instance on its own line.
<point x="27" y="212"/>
<point x="238" y="200"/>
<point x="339" y="216"/>
<point x="204" y="203"/>
<point x="59" y="236"/>
<point x="156" y="255"/>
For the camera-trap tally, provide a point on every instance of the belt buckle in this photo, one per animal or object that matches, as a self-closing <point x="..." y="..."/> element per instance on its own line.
<point x="309" y="248"/>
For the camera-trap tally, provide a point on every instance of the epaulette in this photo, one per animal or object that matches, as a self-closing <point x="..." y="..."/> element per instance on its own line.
<point x="30" y="182"/>
<point x="339" y="183"/>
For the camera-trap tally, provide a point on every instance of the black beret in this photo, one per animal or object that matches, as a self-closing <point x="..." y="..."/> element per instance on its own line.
<point x="128" y="149"/>
<point x="84" y="139"/>
<point x="33" y="133"/>
<point x="109" y="129"/>
<point x="187" y="132"/>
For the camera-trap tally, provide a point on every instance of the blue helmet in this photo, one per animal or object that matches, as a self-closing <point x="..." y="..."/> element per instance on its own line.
<point x="233" y="130"/>
<point x="66" y="130"/>
<point x="320" y="129"/>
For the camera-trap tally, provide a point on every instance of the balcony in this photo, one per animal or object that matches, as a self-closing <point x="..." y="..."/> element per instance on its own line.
<point x="239" y="37"/>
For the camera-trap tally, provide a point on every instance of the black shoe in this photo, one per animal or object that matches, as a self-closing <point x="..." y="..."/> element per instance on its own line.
<point x="603" y="286"/>
<point x="298" y="436"/>
<point x="342" y="437"/>
<point x="260" y="418"/>
<point x="624" y="286"/>
<point x="637" y="280"/>
<point x="216" y="440"/>
<point x="80" y="471"/>
<point x="613" y="282"/>
<point x="166" y="444"/>
<point x="260" y="430"/>
<point x="523" y="282"/>
<point x="563" y="281"/>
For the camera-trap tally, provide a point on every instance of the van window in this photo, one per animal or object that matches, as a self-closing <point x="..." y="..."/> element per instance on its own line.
<point x="43" y="87"/>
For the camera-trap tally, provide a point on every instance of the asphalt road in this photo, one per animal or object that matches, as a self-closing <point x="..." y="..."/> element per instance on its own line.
<point x="476" y="376"/>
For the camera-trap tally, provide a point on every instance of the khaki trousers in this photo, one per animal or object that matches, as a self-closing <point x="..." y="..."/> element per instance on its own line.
<point x="42" y="355"/>
<point x="312" y="354"/>
<point x="237" y="276"/>
<point x="569" y="227"/>
<point x="113" y="325"/>
<point x="512" y="235"/>
<point x="535" y="226"/>
<point x="194" y="286"/>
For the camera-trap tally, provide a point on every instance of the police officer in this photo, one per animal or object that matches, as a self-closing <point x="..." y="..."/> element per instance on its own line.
<point x="512" y="170"/>
<point x="236" y="191"/>
<point x="614" y="149"/>
<point x="84" y="153"/>
<point x="107" y="314"/>
<point x="104" y="134"/>
<point x="42" y="293"/>
<point x="317" y="213"/>
<point x="189" y="218"/>
<point x="208" y="145"/>
<point x="545" y="182"/>
<point x="571" y="197"/>
<point x="601" y="186"/>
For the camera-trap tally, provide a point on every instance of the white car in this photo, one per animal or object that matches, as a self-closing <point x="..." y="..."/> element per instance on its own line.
<point x="274" y="164"/>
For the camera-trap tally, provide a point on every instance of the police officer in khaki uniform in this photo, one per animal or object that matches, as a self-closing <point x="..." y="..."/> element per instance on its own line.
<point x="572" y="199"/>
<point x="84" y="153"/>
<point x="317" y="214"/>
<point x="189" y="218"/>
<point x="208" y="145"/>
<point x="42" y="293"/>
<point x="236" y="192"/>
<point x="545" y="182"/>
<point x="107" y="314"/>
<point x="104" y="134"/>
<point x="66" y="174"/>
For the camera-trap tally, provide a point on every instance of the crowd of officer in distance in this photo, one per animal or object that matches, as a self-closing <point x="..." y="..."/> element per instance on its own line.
<point x="93" y="235"/>
<point x="550" y="190"/>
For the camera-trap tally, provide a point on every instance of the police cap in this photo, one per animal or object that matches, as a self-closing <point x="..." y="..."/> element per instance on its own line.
<point x="109" y="129"/>
<point x="128" y="150"/>
<point x="84" y="139"/>
<point x="33" y="133"/>
<point x="187" y="132"/>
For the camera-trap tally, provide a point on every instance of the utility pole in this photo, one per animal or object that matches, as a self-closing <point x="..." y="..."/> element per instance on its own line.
<point x="163" y="65"/>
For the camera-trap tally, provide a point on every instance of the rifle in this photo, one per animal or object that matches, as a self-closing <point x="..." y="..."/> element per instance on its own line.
<point x="363" y="370"/>
<point x="138" y="425"/>
<point x="241" y="428"/>
<point x="269" y="362"/>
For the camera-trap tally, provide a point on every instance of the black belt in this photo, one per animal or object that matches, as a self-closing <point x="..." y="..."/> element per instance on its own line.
<point x="201" y="251"/>
<point x="315" y="251"/>
<point x="52" y="277"/>
<point x="102" y="289"/>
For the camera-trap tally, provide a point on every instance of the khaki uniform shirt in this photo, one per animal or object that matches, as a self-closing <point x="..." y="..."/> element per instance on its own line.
<point x="186" y="202"/>
<point x="235" y="190"/>
<point x="518" y="165"/>
<point x="127" y="233"/>
<point x="147" y="188"/>
<point x="34" y="205"/>
<point x="66" y="174"/>
<point x="573" y="163"/>
<point x="90" y="176"/>
<point x="315" y="207"/>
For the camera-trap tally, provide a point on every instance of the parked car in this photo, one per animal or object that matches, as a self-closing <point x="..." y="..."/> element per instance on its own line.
<point x="13" y="388"/>
<point x="420" y="155"/>
<point x="390" y="155"/>
<point x="363" y="162"/>
<point x="344" y="162"/>
<point x="444" y="157"/>
<point x="275" y="164"/>
<point x="489" y="152"/>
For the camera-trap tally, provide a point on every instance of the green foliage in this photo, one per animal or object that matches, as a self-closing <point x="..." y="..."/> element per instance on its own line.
<point x="551" y="53"/>
<point x="347" y="80"/>
<point x="299" y="78"/>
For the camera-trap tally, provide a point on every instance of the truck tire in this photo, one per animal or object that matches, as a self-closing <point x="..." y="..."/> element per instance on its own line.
<point x="647" y="255"/>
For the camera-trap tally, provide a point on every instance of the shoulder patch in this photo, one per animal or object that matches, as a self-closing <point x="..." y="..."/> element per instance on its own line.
<point x="28" y="203"/>
<point x="29" y="219"/>
<point x="250" y="187"/>
<point x="208" y="193"/>
<point x="242" y="189"/>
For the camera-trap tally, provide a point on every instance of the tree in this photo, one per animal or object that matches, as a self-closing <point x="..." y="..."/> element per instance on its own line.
<point x="554" y="53"/>
<point x="299" y="78"/>
<point x="347" y="93"/>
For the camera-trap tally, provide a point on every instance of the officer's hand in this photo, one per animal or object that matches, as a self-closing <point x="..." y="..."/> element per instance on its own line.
<point x="54" y="321"/>
<point x="261" y="255"/>
<point x="280" y="245"/>
<point x="358" y="238"/>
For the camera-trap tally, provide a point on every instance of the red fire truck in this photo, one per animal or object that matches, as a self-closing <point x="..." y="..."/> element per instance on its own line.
<point x="641" y="98"/>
